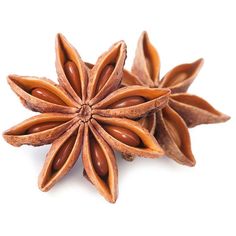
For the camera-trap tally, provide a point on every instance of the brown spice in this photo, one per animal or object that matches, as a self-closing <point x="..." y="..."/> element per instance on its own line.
<point x="87" y="111"/>
<point x="170" y="125"/>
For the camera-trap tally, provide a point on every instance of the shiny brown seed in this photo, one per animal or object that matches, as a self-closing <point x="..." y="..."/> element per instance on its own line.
<point x="124" y="135"/>
<point x="63" y="153"/>
<point x="98" y="158"/>
<point x="72" y="74"/>
<point x="43" y="126"/>
<point x="45" y="95"/>
<point x="104" y="76"/>
<point x="173" y="133"/>
<point x="126" y="102"/>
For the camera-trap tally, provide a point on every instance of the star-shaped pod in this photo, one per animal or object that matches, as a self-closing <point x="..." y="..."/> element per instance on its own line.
<point x="170" y="125"/>
<point x="88" y="112"/>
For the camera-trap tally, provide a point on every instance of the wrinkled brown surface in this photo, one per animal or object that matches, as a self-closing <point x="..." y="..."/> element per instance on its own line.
<point x="82" y="110"/>
<point x="195" y="110"/>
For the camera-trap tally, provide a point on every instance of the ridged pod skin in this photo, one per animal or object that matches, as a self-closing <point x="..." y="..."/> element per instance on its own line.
<point x="170" y="126"/>
<point x="86" y="112"/>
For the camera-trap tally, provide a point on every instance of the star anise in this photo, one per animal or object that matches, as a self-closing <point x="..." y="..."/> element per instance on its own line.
<point x="170" y="125"/>
<point x="87" y="111"/>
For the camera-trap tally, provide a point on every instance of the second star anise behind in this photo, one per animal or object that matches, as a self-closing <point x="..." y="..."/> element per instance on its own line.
<point x="170" y="125"/>
<point x="87" y="111"/>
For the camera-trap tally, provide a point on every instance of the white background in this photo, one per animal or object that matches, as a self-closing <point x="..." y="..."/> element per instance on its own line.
<point x="156" y="197"/>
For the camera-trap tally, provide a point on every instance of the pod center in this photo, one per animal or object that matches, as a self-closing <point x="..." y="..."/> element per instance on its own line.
<point x="85" y="113"/>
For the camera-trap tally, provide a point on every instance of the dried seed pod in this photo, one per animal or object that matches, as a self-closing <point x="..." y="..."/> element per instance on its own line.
<point x="148" y="146"/>
<point x="154" y="99"/>
<point x="22" y="133"/>
<point x="106" y="186"/>
<point x="195" y="110"/>
<point x="116" y="58"/>
<point x="93" y="114"/>
<point x="61" y="157"/>
<point x="75" y="81"/>
<point x="173" y="136"/>
<point x="146" y="62"/>
<point x="24" y="85"/>
<point x="149" y="123"/>
<point x="181" y="77"/>
<point x="190" y="110"/>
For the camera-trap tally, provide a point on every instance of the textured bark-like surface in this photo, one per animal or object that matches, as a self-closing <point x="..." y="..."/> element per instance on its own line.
<point x="195" y="110"/>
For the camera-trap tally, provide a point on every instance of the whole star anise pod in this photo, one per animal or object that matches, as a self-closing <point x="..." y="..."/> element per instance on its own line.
<point x="170" y="125"/>
<point x="87" y="111"/>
